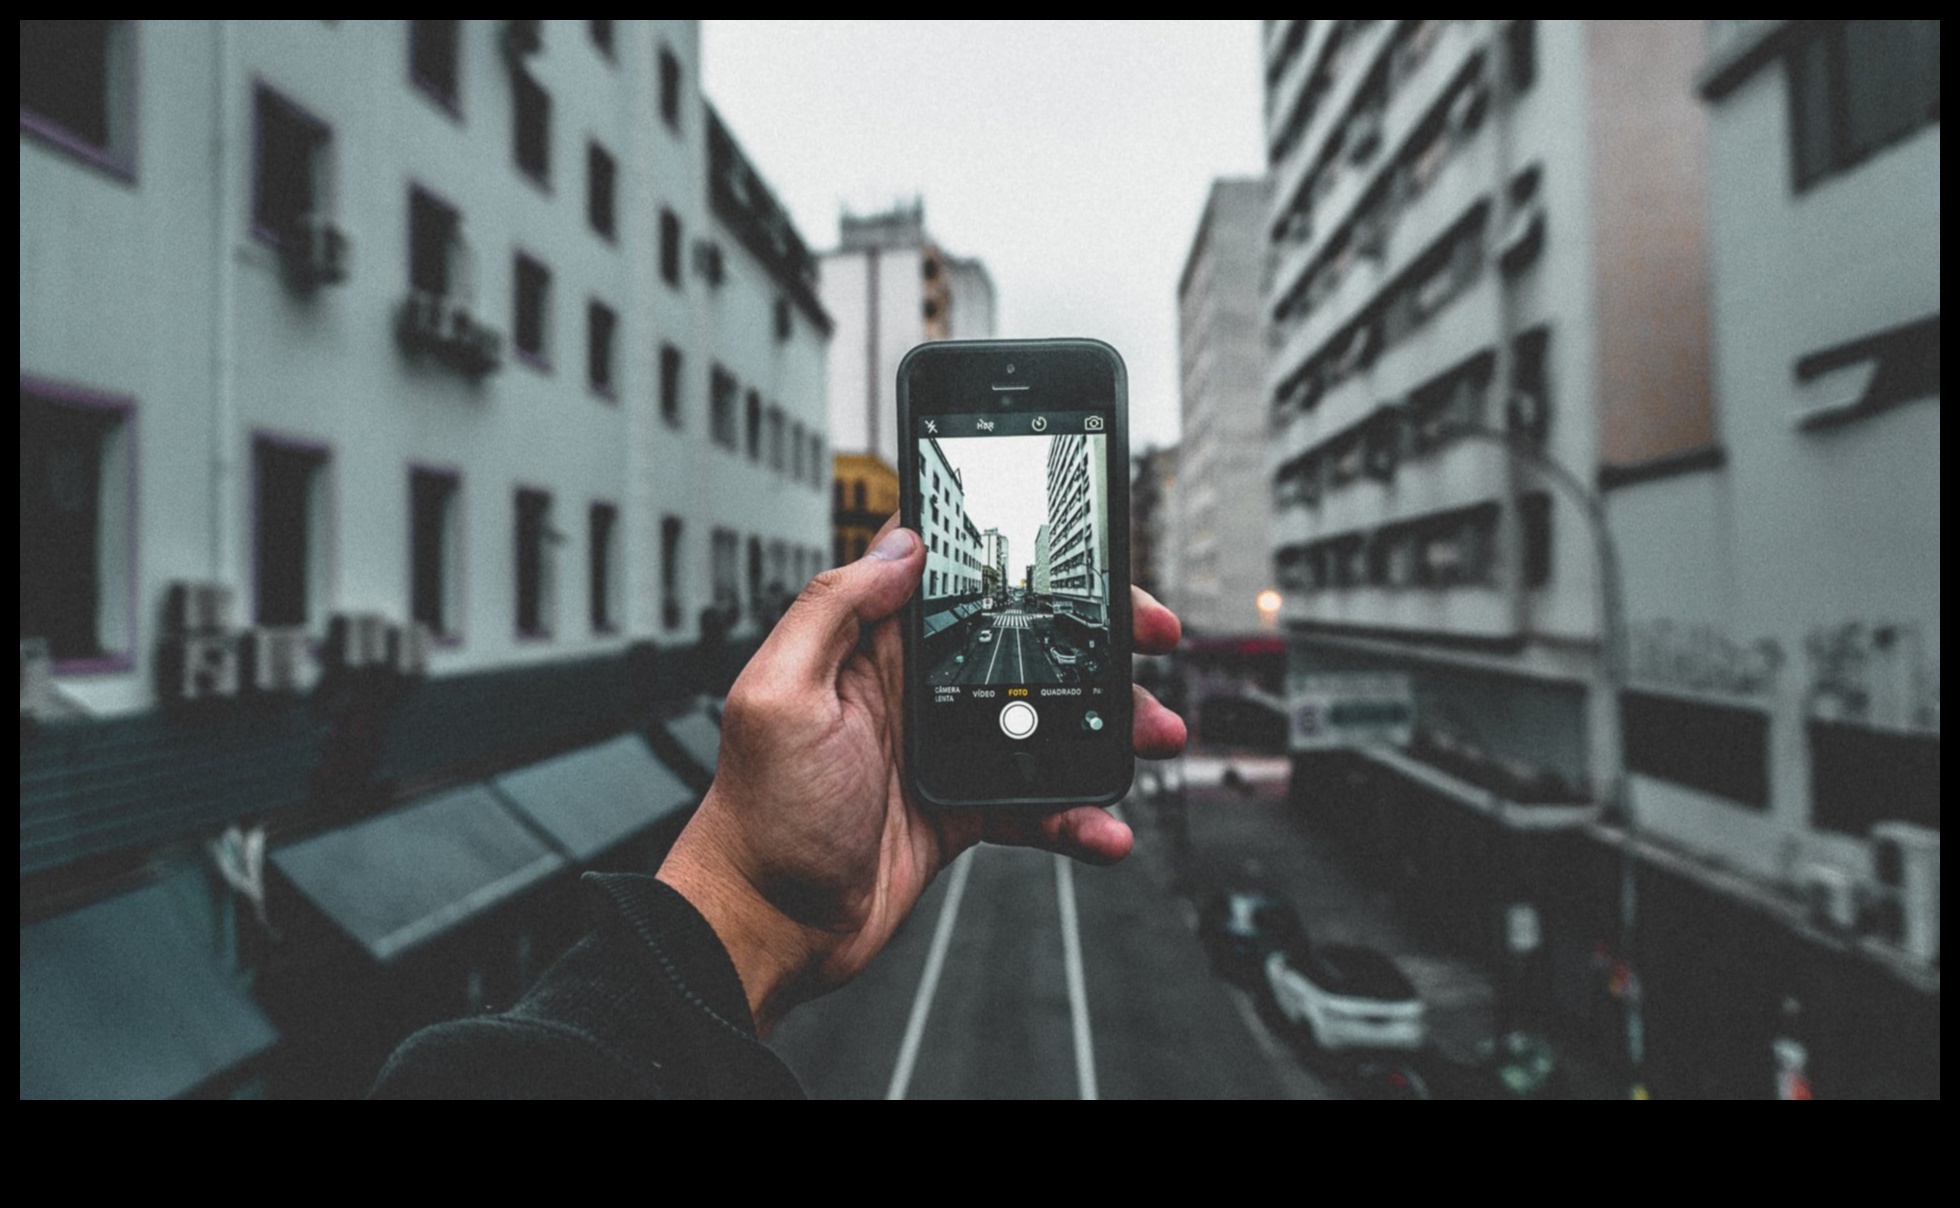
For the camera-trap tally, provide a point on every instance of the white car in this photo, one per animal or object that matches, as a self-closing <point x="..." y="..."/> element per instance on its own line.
<point x="1346" y="997"/>
<point x="986" y="635"/>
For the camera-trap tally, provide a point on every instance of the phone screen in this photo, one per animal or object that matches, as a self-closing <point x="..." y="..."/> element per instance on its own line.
<point x="1015" y="609"/>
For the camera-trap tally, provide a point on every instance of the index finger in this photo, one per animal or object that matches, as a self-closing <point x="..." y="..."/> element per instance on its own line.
<point x="1157" y="628"/>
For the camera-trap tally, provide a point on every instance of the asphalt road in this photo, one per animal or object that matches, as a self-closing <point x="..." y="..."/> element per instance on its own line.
<point x="1013" y="654"/>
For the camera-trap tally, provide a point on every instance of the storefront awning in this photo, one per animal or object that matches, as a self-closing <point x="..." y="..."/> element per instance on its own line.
<point x="699" y="738"/>
<point x="399" y="880"/>
<point x="592" y="799"/>
<point x="128" y="999"/>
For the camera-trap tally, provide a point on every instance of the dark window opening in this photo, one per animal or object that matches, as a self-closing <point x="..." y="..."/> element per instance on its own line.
<point x="670" y="248"/>
<point x="434" y="55"/>
<point x="670" y="572"/>
<point x="284" y="549"/>
<point x="1717" y="749"/>
<point x="604" y="525"/>
<point x="776" y="439"/>
<point x="531" y="322"/>
<point x="784" y="326"/>
<point x="602" y="36"/>
<point x="755" y="426"/>
<point x="75" y="88"/>
<point x="1858" y="86"/>
<point x="755" y="578"/>
<point x="432" y="229"/>
<point x="1535" y="519"/>
<point x="600" y="176"/>
<point x="796" y="452"/>
<point x="62" y="452"/>
<point x="432" y="510"/>
<point x="670" y="89"/>
<point x="532" y="131"/>
<point x="1521" y="49"/>
<point x="722" y="389"/>
<point x="601" y="324"/>
<point x="289" y="187"/>
<point x="1859" y="776"/>
<point x="533" y="562"/>
<point x="857" y="495"/>
<point x="670" y="384"/>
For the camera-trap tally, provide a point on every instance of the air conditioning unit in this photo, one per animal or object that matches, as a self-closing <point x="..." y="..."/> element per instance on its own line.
<point x="708" y="261"/>
<point x="275" y="659"/>
<point x="408" y="648"/>
<point x="197" y="608"/>
<point x="1906" y="863"/>
<point x="356" y="640"/>
<point x="316" y="252"/>
<point x="197" y="667"/>
<point x="435" y="325"/>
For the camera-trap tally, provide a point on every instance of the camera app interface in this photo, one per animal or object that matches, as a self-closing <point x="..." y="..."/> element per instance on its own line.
<point x="1015" y="608"/>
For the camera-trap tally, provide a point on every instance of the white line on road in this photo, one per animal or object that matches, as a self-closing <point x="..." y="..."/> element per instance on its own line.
<point x="942" y="935"/>
<point x="989" y="677"/>
<point x="1078" y="996"/>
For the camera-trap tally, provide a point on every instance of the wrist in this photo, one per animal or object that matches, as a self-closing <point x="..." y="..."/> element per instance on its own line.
<point x="772" y="952"/>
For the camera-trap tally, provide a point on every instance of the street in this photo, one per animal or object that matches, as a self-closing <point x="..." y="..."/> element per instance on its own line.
<point x="1009" y="646"/>
<point x="1016" y="979"/>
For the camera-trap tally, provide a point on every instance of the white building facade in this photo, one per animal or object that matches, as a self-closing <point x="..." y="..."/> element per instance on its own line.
<point x="1077" y="556"/>
<point x="888" y="287"/>
<point x="448" y="323"/>
<point x="953" y="543"/>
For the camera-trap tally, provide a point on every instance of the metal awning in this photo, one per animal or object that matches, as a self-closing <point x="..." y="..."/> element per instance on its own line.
<point x="402" y="879"/>
<point x="592" y="799"/>
<point x="699" y="738"/>
<point x="940" y="620"/>
<point x="128" y="999"/>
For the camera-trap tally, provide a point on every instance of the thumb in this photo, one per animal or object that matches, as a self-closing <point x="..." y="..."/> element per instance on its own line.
<point x="821" y="628"/>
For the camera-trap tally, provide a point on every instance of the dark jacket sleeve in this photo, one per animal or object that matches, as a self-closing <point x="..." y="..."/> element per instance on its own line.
<point x="647" y="1005"/>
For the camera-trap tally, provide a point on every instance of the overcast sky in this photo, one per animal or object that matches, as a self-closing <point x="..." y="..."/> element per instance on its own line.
<point x="1005" y="479"/>
<point x="1072" y="158"/>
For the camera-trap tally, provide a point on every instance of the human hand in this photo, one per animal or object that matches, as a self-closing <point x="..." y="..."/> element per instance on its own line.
<point x="808" y="852"/>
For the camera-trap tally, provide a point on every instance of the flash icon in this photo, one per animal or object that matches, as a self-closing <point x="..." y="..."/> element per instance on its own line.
<point x="932" y="428"/>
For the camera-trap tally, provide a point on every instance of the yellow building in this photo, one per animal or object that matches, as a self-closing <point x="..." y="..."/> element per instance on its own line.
<point x="863" y="497"/>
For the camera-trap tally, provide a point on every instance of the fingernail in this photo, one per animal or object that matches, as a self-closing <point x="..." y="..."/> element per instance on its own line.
<point x="894" y="545"/>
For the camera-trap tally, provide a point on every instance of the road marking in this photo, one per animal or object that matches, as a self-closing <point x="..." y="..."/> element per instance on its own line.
<point x="942" y="935"/>
<point x="1021" y="655"/>
<point x="989" y="677"/>
<point x="1078" y="995"/>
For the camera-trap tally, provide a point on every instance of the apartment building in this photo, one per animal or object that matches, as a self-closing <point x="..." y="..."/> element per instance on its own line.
<point x="889" y="285"/>
<point x="1504" y="256"/>
<point x="400" y="401"/>
<point x="953" y="541"/>
<point x="1078" y="530"/>
<point x="1223" y="559"/>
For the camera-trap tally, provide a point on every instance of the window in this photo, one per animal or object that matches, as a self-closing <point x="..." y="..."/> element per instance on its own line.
<point x="536" y="584"/>
<point x="816" y="460"/>
<point x="603" y="533"/>
<point x="857" y="495"/>
<point x="600" y="326"/>
<point x="290" y="181"/>
<point x="1720" y="750"/>
<point x="532" y="127"/>
<point x="670" y="248"/>
<point x="722" y="390"/>
<point x="1856" y="86"/>
<point x="1535" y="518"/>
<point x="784" y="326"/>
<point x="435" y="548"/>
<point x="670" y="89"/>
<point x="796" y="452"/>
<point x="531" y="322"/>
<point x="670" y="384"/>
<point x="433" y="243"/>
<point x="600" y="174"/>
<point x="76" y="89"/>
<point x="756" y="586"/>
<point x="776" y="439"/>
<point x="434" y="60"/>
<point x="602" y="36"/>
<point x="1859" y="776"/>
<point x="76" y="525"/>
<point x="755" y="426"/>
<point x="1521" y="50"/>
<point x="289" y="538"/>
<point x="725" y="547"/>
<point x="670" y="572"/>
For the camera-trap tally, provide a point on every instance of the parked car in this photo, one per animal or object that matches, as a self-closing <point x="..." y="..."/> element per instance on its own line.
<point x="1345" y="997"/>
<point x="986" y="635"/>
<point x="1240" y="927"/>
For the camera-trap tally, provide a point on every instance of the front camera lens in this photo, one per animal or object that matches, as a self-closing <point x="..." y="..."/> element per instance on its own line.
<point x="1010" y="369"/>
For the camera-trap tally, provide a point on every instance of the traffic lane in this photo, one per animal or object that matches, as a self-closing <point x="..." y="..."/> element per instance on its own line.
<point x="846" y="1044"/>
<point x="1000" y="1025"/>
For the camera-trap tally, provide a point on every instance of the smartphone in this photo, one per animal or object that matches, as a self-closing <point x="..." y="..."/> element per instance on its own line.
<point x="1015" y="469"/>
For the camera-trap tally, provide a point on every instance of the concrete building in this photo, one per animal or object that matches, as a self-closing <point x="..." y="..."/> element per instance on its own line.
<point x="890" y="286"/>
<point x="1039" y="580"/>
<point x="993" y="560"/>
<point x="1078" y="529"/>
<point x="1500" y="232"/>
<point x="953" y="549"/>
<point x="400" y="402"/>
<point x="1154" y="556"/>
<point x="1221" y="553"/>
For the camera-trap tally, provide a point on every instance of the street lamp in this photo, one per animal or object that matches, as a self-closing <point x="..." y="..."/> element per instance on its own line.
<point x="1616" y="803"/>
